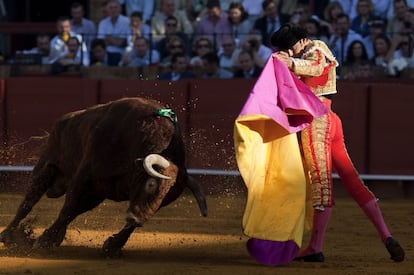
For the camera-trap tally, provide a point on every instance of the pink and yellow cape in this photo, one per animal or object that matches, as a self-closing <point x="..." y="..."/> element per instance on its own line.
<point x="277" y="212"/>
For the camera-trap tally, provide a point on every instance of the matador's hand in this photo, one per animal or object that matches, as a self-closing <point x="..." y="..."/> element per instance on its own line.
<point x="284" y="57"/>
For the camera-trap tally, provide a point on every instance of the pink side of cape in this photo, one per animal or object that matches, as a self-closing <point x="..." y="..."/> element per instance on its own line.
<point x="280" y="95"/>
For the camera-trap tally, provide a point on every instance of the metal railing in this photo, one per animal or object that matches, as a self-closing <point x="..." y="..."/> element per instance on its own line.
<point x="218" y="172"/>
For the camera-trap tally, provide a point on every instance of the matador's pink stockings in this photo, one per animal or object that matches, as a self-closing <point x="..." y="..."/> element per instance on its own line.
<point x="320" y="224"/>
<point x="352" y="182"/>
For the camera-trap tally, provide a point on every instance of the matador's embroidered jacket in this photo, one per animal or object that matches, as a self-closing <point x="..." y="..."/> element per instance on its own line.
<point x="317" y="68"/>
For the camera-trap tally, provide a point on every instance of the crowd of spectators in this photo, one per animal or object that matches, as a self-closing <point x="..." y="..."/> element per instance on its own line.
<point x="229" y="38"/>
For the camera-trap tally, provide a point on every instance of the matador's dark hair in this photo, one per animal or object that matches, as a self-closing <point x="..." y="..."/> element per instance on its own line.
<point x="287" y="36"/>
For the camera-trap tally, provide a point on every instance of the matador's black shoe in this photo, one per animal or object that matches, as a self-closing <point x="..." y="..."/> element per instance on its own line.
<point x="315" y="258"/>
<point x="394" y="248"/>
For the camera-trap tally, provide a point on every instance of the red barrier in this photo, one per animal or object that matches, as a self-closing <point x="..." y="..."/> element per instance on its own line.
<point x="351" y="104"/>
<point x="33" y="104"/>
<point x="215" y="105"/>
<point x="375" y="116"/>
<point x="391" y="132"/>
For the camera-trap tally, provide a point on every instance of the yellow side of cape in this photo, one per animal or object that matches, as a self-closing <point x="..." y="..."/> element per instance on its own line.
<point x="270" y="164"/>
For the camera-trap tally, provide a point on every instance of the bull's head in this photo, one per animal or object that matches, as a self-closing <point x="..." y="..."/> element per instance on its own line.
<point x="148" y="198"/>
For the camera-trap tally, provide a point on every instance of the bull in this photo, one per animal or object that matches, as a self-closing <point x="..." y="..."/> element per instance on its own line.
<point x="130" y="149"/>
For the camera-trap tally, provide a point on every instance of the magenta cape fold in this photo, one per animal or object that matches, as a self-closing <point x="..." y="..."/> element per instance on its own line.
<point x="272" y="252"/>
<point x="280" y="95"/>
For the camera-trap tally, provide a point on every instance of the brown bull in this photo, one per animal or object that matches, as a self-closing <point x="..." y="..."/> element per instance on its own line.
<point x="126" y="150"/>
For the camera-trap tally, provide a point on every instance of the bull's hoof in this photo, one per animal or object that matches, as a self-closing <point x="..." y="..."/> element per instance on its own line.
<point x="3" y="236"/>
<point x="42" y="243"/>
<point x="111" y="248"/>
<point x="6" y="237"/>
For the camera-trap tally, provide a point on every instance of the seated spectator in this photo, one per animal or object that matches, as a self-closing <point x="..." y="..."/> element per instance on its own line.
<point x="114" y="28"/>
<point x="343" y="36"/>
<point x="405" y="48"/>
<point x="400" y="53"/>
<point x="254" y="44"/>
<point x="248" y="69"/>
<point x="158" y="26"/>
<point x="99" y="56"/>
<point x="300" y="15"/>
<point x="137" y="28"/>
<point x="382" y="45"/>
<point x="179" y="68"/>
<point x="356" y="54"/>
<point x="269" y="22"/>
<point x="72" y="59"/>
<point x="331" y="12"/>
<point x="185" y="6"/>
<point x="171" y="29"/>
<point x="384" y="57"/>
<point x="228" y="53"/>
<point x="364" y="70"/>
<point x="376" y="27"/>
<point x="42" y="48"/>
<point x="313" y="27"/>
<point x="237" y="24"/>
<point x="212" y="23"/>
<point x="142" y="55"/>
<point x="202" y="45"/>
<point x="81" y="25"/>
<point x="212" y="69"/>
<point x="58" y="44"/>
<point x="175" y="45"/>
<point x="145" y="7"/>
<point x="365" y="12"/>
<point x="399" y="19"/>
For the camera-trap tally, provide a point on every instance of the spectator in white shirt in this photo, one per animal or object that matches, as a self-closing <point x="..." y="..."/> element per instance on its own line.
<point x="58" y="44"/>
<point x="115" y="30"/>
<point x="146" y="8"/>
<point x="137" y="28"/>
<point x="141" y="55"/>
<point x="81" y="25"/>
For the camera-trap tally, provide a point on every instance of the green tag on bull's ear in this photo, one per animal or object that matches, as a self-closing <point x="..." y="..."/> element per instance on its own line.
<point x="167" y="113"/>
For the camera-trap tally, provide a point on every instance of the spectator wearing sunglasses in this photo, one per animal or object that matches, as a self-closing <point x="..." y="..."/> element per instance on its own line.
<point x="228" y="53"/>
<point x="175" y="45"/>
<point x="158" y="25"/>
<point x="202" y="46"/>
<point x="171" y="30"/>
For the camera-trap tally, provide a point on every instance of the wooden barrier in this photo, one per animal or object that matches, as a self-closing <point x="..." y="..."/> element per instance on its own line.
<point x="33" y="104"/>
<point x="214" y="105"/>
<point x="390" y="131"/>
<point x="351" y="103"/>
<point x="375" y="116"/>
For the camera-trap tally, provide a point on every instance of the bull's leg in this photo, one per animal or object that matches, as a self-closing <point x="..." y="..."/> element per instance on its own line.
<point x="113" y="245"/>
<point x="143" y="205"/>
<point x="74" y="206"/>
<point x="43" y="178"/>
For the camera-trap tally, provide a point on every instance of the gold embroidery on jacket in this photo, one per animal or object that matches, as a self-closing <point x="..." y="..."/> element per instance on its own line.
<point x="315" y="142"/>
<point x="313" y="63"/>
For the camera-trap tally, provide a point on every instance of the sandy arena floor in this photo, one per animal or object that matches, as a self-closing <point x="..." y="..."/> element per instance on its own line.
<point x="179" y="241"/>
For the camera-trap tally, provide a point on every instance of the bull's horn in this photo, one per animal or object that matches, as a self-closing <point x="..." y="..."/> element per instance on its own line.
<point x="155" y="159"/>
